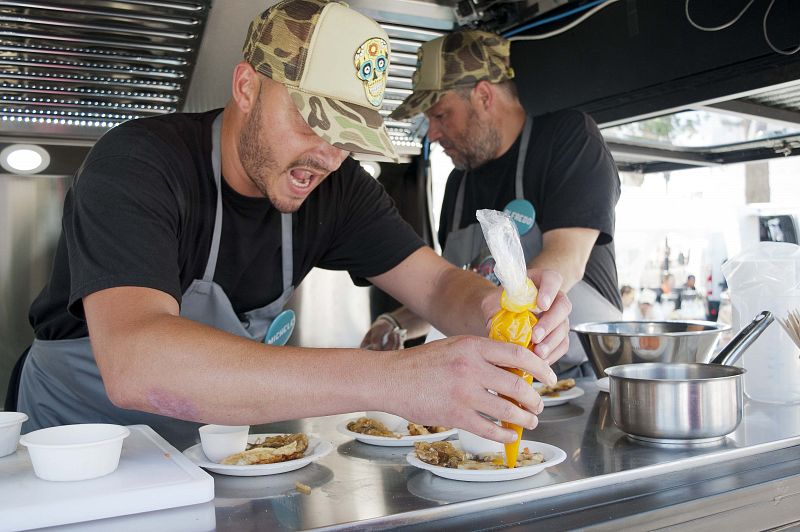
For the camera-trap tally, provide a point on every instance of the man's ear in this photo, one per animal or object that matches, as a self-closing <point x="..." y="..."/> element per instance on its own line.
<point x="246" y="86"/>
<point x="483" y="95"/>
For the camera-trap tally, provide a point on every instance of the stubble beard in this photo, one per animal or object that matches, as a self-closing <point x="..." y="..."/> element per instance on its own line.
<point x="258" y="159"/>
<point x="477" y="145"/>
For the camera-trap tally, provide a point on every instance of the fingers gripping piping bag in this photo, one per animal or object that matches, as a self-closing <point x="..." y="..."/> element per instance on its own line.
<point x="515" y="320"/>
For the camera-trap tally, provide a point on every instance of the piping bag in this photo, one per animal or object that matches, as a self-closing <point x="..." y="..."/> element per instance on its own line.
<point x="515" y="320"/>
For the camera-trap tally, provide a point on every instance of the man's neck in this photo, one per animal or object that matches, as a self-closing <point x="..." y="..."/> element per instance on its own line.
<point x="511" y="121"/>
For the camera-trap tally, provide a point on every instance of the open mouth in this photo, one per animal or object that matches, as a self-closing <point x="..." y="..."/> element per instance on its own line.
<point x="301" y="179"/>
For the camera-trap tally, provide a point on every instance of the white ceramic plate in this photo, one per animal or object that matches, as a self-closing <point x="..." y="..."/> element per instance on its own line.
<point x="317" y="448"/>
<point x="405" y="441"/>
<point x="552" y="456"/>
<point x="563" y="397"/>
<point x="603" y="384"/>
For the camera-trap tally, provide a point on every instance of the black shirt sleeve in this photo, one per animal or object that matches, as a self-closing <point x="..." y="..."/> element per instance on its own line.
<point x="122" y="225"/>
<point x="581" y="186"/>
<point x="370" y="237"/>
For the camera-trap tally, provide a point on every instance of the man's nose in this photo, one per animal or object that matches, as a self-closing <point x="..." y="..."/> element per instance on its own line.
<point x="329" y="155"/>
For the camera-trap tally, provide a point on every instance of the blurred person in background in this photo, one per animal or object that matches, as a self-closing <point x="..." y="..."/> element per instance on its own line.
<point x="648" y="308"/>
<point x="628" y="297"/>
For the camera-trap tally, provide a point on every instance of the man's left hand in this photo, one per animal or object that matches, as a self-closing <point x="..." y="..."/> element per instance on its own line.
<point x="551" y="332"/>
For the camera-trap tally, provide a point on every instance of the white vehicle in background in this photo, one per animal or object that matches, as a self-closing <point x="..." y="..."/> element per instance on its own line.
<point x="768" y="222"/>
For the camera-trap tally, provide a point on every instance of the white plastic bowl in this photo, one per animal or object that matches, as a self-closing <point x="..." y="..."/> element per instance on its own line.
<point x="220" y="441"/>
<point x="10" y="425"/>
<point x="75" y="452"/>
<point x="391" y="421"/>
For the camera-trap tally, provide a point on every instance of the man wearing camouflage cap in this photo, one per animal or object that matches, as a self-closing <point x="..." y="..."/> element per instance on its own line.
<point x="553" y="174"/>
<point x="185" y="234"/>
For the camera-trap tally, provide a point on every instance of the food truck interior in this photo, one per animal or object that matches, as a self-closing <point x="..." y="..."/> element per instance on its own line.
<point x="72" y="69"/>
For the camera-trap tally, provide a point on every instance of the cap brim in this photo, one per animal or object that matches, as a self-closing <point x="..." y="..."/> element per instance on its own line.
<point x="418" y="102"/>
<point x="349" y="127"/>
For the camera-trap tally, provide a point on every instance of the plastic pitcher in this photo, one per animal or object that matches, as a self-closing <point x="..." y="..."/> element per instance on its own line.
<point x="767" y="277"/>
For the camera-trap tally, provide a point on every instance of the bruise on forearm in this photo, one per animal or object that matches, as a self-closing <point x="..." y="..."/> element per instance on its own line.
<point x="168" y="404"/>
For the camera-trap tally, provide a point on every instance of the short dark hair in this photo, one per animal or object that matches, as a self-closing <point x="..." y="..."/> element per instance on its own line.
<point x="508" y="86"/>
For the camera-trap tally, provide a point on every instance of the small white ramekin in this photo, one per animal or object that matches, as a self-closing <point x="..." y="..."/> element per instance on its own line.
<point x="220" y="441"/>
<point x="10" y="425"/>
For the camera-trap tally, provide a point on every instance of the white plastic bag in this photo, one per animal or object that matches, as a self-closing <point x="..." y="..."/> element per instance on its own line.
<point x="767" y="277"/>
<point x="503" y="240"/>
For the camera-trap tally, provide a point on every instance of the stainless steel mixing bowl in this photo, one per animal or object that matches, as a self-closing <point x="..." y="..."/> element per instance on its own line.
<point x="613" y="343"/>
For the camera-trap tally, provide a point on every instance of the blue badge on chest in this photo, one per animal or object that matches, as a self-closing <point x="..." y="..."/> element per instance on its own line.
<point x="281" y="328"/>
<point x="522" y="213"/>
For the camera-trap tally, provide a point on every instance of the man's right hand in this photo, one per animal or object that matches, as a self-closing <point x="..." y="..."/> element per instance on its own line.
<point x="447" y="382"/>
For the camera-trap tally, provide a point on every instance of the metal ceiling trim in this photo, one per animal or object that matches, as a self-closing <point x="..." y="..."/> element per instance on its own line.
<point x="98" y="42"/>
<point x="104" y="55"/>
<point x="117" y="14"/>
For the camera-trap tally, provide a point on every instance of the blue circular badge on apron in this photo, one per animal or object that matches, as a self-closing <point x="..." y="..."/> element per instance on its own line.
<point x="281" y="328"/>
<point x="522" y="213"/>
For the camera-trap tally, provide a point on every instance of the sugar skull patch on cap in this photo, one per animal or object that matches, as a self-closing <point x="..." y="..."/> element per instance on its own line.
<point x="372" y="62"/>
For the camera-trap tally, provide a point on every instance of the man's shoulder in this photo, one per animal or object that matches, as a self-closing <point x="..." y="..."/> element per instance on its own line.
<point x="564" y="117"/>
<point x="159" y="132"/>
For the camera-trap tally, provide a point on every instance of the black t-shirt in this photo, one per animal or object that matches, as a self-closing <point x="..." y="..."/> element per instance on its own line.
<point x="141" y="213"/>
<point x="569" y="176"/>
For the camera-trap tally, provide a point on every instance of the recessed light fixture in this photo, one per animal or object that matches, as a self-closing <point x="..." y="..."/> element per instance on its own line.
<point x="373" y="168"/>
<point x="24" y="159"/>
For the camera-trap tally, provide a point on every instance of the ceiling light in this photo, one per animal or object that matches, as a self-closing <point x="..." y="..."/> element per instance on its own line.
<point x="373" y="168"/>
<point x="24" y="159"/>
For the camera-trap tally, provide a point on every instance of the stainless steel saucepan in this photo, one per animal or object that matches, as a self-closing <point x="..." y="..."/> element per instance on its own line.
<point x="683" y="403"/>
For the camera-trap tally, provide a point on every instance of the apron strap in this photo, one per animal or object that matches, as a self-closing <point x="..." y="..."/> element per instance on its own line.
<point x="459" y="204"/>
<point x="216" y="159"/>
<point x="287" y="257"/>
<point x="521" y="155"/>
<point x="523" y="152"/>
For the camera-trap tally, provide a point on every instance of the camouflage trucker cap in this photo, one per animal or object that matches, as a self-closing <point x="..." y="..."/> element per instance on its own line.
<point x="459" y="59"/>
<point x="334" y="63"/>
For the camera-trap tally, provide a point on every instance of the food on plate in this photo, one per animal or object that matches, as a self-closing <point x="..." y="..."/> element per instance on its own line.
<point x="445" y="454"/>
<point x="371" y="427"/>
<point x="440" y="453"/>
<point x="415" y="429"/>
<point x="305" y="489"/>
<point x="553" y="391"/>
<point x="270" y="450"/>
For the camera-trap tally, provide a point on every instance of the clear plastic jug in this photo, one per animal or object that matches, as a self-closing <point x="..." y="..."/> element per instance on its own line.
<point x="767" y="277"/>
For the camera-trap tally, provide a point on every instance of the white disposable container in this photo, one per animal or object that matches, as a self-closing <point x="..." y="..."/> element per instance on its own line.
<point x="75" y="452"/>
<point x="220" y="441"/>
<point x="10" y="425"/>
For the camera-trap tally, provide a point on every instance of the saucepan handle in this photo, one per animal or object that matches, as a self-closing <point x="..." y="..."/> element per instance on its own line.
<point x="731" y="352"/>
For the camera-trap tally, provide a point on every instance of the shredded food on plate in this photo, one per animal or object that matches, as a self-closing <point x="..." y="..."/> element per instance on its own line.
<point x="270" y="450"/>
<point x="445" y="454"/>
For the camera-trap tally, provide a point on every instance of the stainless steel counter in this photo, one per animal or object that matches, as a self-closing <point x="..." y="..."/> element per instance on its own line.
<point x="608" y="481"/>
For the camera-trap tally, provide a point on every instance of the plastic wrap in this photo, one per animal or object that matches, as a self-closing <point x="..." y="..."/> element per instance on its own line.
<point x="767" y="277"/>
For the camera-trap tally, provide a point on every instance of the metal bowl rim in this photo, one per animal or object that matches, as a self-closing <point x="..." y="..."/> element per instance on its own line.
<point x="644" y="365"/>
<point x="718" y="328"/>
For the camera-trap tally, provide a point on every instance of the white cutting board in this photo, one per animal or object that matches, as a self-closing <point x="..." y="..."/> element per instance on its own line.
<point x="152" y="475"/>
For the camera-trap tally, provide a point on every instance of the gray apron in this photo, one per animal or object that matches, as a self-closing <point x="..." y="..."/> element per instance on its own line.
<point x="61" y="383"/>
<point x="466" y="248"/>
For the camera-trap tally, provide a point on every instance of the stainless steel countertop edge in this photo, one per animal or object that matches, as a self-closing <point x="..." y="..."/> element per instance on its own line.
<point x="554" y="490"/>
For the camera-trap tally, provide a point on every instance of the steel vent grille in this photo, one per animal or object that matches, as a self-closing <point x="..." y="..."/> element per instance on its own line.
<point x="75" y="68"/>
<point x="405" y="41"/>
<point x="786" y="98"/>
